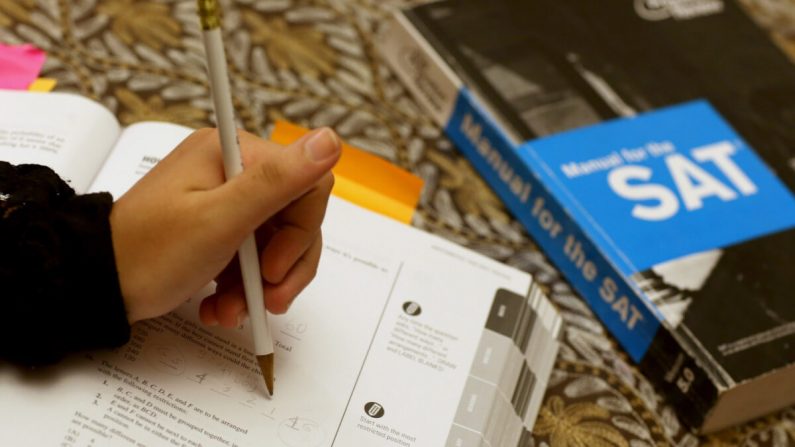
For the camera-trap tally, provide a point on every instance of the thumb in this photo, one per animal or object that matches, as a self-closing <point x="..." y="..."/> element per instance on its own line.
<point x="275" y="176"/>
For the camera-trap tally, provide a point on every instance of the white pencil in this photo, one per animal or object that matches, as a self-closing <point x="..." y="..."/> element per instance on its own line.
<point x="209" y="14"/>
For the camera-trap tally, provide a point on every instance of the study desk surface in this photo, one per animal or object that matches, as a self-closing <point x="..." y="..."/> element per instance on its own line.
<point x="314" y="63"/>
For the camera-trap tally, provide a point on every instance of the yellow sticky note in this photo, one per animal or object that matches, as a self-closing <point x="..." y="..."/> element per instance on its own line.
<point x="365" y="179"/>
<point x="42" y="85"/>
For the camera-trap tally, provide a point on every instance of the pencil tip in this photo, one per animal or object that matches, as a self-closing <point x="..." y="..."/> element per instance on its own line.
<point x="266" y="367"/>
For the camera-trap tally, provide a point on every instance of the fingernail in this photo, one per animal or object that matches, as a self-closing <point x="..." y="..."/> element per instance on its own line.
<point x="322" y="146"/>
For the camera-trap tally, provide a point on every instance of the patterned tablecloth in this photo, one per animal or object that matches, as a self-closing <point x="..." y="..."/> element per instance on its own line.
<point x="313" y="62"/>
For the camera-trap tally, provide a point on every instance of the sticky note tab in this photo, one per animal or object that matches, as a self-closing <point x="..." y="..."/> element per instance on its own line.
<point x="365" y="179"/>
<point x="42" y="85"/>
<point x="19" y="65"/>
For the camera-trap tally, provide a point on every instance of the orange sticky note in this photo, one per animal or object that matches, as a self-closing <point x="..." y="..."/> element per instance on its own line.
<point x="42" y="85"/>
<point x="365" y="179"/>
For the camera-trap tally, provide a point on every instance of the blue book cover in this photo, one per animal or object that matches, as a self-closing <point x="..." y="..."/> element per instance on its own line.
<point x="671" y="199"/>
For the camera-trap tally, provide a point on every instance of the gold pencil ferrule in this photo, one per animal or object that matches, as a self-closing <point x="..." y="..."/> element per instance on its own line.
<point x="209" y="14"/>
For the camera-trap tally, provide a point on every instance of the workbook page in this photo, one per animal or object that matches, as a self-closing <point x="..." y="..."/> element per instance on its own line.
<point x="376" y="351"/>
<point x="69" y="133"/>
<point x="180" y="383"/>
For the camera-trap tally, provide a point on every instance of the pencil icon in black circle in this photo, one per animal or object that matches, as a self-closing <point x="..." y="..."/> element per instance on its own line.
<point x="374" y="409"/>
<point x="411" y="308"/>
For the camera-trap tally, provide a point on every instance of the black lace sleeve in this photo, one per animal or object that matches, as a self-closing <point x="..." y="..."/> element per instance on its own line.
<point x="59" y="290"/>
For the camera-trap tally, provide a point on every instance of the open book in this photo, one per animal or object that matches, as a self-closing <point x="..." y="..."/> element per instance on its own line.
<point x="81" y="140"/>
<point x="402" y="339"/>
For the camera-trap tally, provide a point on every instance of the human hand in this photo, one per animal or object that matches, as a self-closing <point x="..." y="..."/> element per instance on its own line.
<point x="180" y="226"/>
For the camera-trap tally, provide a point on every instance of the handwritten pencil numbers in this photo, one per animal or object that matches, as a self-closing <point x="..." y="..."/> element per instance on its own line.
<point x="292" y="423"/>
<point x="297" y="328"/>
<point x="300" y="432"/>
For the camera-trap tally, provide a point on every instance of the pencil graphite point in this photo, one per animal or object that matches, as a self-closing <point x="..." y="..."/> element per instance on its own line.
<point x="266" y="367"/>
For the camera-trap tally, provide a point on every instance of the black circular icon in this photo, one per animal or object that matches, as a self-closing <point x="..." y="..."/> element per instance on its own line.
<point x="412" y="308"/>
<point x="374" y="409"/>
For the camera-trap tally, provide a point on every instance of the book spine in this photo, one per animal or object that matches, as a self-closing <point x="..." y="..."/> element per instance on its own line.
<point x="628" y="317"/>
<point x="634" y="322"/>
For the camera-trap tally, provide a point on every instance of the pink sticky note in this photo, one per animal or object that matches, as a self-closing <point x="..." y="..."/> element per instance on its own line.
<point x="19" y="65"/>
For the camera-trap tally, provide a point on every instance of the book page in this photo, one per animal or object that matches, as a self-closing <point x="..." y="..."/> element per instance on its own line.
<point x="69" y="133"/>
<point x="138" y="149"/>
<point x="181" y="383"/>
<point x="394" y="317"/>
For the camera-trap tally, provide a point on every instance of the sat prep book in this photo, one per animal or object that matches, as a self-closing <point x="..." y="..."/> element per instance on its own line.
<point x="649" y="149"/>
